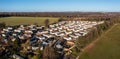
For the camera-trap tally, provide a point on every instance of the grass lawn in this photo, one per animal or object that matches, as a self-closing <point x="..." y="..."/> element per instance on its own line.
<point x="27" y="20"/>
<point x="108" y="47"/>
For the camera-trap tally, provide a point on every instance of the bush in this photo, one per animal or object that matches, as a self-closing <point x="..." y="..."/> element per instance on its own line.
<point x="2" y="25"/>
<point x="61" y="19"/>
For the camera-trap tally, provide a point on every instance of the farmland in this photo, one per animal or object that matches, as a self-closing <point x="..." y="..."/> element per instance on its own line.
<point x="26" y="20"/>
<point x="107" y="47"/>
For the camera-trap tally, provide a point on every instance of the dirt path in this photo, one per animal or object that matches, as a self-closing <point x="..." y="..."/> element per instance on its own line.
<point x="92" y="44"/>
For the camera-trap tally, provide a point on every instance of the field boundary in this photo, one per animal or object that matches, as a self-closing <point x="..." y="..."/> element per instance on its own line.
<point x="92" y="44"/>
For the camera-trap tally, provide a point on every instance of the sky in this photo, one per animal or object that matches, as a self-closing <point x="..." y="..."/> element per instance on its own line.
<point x="59" y="5"/>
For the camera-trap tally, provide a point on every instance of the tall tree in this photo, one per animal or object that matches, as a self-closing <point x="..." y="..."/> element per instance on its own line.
<point x="46" y="22"/>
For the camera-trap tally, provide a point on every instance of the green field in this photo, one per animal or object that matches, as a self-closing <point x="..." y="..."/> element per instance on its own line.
<point x="26" y="20"/>
<point x="108" y="47"/>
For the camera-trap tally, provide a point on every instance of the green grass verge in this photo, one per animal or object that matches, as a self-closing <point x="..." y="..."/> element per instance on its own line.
<point x="26" y="20"/>
<point x="108" y="47"/>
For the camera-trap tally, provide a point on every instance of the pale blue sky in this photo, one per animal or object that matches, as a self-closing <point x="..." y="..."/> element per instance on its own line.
<point x="59" y="5"/>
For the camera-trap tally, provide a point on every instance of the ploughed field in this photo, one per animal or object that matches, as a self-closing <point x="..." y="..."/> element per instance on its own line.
<point x="26" y="20"/>
<point x="108" y="47"/>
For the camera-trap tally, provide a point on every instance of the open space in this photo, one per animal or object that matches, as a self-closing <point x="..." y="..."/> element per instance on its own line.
<point x="26" y="20"/>
<point x="108" y="46"/>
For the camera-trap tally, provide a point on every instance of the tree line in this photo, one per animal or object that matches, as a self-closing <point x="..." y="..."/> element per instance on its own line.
<point x="59" y="14"/>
